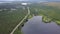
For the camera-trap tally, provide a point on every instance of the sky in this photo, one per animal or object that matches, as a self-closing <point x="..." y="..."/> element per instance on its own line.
<point x="30" y="0"/>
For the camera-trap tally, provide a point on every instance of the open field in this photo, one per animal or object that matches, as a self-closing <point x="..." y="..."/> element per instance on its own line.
<point x="10" y="18"/>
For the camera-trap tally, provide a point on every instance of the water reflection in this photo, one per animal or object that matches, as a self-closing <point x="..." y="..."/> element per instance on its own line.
<point x="36" y="26"/>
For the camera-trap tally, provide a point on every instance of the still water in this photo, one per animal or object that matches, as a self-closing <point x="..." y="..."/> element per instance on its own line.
<point x="36" y="26"/>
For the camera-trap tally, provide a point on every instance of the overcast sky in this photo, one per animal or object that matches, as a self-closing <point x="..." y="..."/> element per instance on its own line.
<point x="30" y="0"/>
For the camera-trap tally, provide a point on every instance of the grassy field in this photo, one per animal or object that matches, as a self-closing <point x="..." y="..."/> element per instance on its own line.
<point x="10" y="18"/>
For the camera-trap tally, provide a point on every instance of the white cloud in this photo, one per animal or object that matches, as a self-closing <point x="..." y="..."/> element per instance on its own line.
<point x="24" y="0"/>
<point x="6" y="0"/>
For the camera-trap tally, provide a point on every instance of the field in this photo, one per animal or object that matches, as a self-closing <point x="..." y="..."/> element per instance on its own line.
<point x="10" y="17"/>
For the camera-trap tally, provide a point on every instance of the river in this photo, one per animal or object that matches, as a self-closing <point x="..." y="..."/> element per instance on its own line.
<point x="36" y="26"/>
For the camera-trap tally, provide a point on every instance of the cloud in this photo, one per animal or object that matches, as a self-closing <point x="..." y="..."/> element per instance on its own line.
<point x="6" y="0"/>
<point x="24" y="0"/>
<point x="29" y="0"/>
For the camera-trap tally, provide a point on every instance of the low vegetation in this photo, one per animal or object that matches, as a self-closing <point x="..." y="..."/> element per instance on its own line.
<point x="10" y="18"/>
<point x="49" y="11"/>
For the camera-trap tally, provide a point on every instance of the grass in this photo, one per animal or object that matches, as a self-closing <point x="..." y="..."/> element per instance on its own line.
<point x="9" y="19"/>
<point x="46" y="19"/>
<point x="18" y="31"/>
<point x="58" y="22"/>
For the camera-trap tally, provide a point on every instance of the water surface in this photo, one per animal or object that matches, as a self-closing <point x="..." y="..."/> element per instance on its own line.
<point x="36" y="26"/>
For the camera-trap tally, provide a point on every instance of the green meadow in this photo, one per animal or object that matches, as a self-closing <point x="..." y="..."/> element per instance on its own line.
<point x="10" y="18"/>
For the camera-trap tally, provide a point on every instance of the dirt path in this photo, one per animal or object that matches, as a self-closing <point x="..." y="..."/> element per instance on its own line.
<point x="21" y="21"/>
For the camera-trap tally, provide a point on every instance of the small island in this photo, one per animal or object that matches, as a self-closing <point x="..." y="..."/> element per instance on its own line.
<point x="46" y="19"/>
<point x="57" y="22"/>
